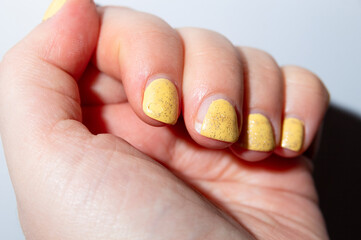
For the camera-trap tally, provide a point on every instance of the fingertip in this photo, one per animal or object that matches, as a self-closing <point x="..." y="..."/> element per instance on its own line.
<point x="54" y="7"/>
<point x="249" y="155"/>
<point x="45" y="65"/>
<point x="212" y="88"/>
<point x="208" y="142"/>
<point x="146" y="55"/>
<point x="306" y="101"/>
<point x="287" y="153"/>
<point x="62" y="39"/>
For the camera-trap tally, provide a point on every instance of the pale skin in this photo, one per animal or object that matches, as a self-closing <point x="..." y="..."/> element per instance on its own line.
<point x="87" y="163"/>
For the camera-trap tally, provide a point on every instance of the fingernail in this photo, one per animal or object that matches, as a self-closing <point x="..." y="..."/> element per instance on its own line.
<point x="161" y="101"/>
<point x="258" y="134"/>
<point x="292" y="134"/>
<point x="219" y="120"/>
<point x="54" y="7"/>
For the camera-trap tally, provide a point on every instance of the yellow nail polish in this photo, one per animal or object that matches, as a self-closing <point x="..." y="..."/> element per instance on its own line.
<point x="258" y="135"/>
<point x="161" y="101"/>
<point x="292" y="134"/>
<point x="54" y="7"/>
<point x="220" y="122"/>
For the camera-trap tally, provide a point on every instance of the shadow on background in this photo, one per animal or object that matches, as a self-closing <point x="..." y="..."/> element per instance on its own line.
<point x="338" y="173"/>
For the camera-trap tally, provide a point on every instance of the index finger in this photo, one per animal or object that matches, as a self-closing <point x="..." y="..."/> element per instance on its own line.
<point x="146" y="54"/>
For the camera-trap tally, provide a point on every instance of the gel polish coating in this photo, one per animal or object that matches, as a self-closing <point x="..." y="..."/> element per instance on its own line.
<point x="258" y="135"/>
<point x="292" y="134"/>
<point x="160" y="101"/>
<point x="220" y="122"/>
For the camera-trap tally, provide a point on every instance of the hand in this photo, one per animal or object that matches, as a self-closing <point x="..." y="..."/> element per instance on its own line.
<point x="87" y="162"/>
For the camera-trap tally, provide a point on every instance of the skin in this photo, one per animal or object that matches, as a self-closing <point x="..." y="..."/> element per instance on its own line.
<point x="87" y="163"/>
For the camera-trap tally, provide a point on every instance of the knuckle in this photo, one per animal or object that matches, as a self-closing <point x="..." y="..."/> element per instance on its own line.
<point x="264" y="67"/>
<point x="148" y="26"/>
<point x="305" y="79"/>
<point x="262" y="56"/>
<point x="211" y="47"/>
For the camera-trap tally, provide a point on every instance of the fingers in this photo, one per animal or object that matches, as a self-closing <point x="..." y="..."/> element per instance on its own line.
<point x="161" y="71"/>
<point x="306" y="101"/>
<point x="283" y="108"/>
<point x="146" y="54"/>
<point x="37" y="77"/>
<point x="212" y="88"/>
<point x="263" y="105"/>
<point x="223" y="90"/>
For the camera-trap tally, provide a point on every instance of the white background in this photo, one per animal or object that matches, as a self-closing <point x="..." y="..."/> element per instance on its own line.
<point x="323" y="36"/>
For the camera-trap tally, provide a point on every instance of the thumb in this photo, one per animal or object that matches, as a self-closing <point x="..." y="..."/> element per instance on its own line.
<point x="38" y="76"/>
